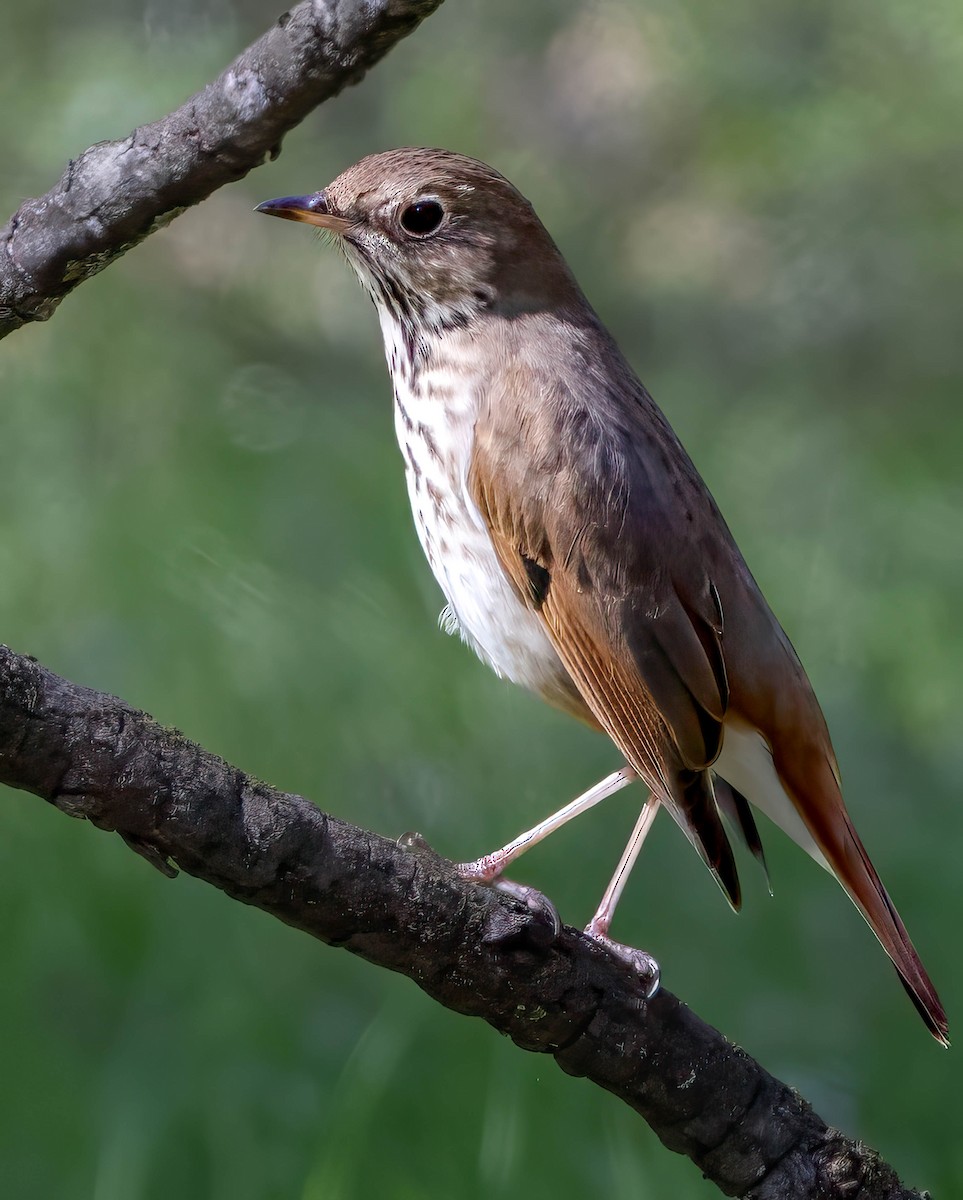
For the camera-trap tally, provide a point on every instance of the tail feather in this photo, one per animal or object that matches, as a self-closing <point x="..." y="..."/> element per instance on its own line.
<point x="696" y="811"/>
<point x="735" y="807"/>
<point x="856" y="873"/>
<point x="825" y="814"/>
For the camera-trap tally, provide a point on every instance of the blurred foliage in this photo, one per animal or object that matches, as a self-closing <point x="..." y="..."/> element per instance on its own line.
<point x="203" y="511"/>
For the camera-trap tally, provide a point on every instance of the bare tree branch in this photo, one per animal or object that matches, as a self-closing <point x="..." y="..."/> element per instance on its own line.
<point x="116" y="193"/>
<point x="402" y="907"/>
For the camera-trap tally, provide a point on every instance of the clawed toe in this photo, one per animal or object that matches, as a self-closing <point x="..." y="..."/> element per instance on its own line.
<point x="644" y="965"/>
<point x="542" y="910"/>
<point x="535" y="901"/>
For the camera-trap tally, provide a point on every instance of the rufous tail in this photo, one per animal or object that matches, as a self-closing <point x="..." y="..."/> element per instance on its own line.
<point x="858" y="876"/>
<point x="831" y="827"/>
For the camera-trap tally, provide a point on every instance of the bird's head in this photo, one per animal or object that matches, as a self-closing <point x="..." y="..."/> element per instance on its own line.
<point x="437" y="237"/>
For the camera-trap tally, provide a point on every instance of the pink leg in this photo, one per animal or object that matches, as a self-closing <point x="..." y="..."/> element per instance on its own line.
<point x="598" y="927"/>
<point x="490" y="866"/>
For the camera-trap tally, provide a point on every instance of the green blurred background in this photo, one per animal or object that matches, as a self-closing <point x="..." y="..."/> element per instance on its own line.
<point x="203" y="511"/>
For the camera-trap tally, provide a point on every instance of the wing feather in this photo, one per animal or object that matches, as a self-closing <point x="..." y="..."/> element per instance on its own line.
<point x="627" y="640"/>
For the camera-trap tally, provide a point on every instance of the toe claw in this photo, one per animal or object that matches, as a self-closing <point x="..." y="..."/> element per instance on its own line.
<point x="542" y="913"/>
<point x="540" y="923"/>
<point x="537" y="903"/>
<point x="643" y="964"/>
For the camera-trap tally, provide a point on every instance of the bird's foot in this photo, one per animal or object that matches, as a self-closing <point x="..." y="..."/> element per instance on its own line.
<point x="485" y="871"/>
<point x="537" y="903"/>
<point x="644" y="965"/>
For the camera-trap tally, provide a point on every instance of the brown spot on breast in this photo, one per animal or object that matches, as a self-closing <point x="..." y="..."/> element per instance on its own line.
<point x="429" y="439"/>
<point x="405" y="415"/>
<point x="437" y="496"/>
<point x="413" y="463"/>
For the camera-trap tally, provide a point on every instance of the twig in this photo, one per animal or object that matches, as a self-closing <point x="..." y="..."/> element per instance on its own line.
<point x="116" y="193"/>
<point x="401" y="906"/>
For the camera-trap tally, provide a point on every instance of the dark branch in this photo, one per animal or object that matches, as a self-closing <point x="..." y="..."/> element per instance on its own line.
<point x="116" y="193"/>
<point x="402" y="907"/>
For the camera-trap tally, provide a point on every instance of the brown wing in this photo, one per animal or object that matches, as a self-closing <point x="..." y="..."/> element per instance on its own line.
<point x="645" y="655"/>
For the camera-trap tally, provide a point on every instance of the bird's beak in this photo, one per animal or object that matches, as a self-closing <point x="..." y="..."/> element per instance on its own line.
<point x="313" y="210"/>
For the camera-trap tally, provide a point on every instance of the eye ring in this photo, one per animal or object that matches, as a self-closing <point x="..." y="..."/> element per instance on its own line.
<point x="422" y="219"/>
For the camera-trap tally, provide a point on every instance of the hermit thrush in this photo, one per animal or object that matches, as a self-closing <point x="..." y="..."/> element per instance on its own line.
<point x="580" y="552"/>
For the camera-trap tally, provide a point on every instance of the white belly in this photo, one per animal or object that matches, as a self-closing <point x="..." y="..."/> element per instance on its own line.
<point x="435" y="429"/>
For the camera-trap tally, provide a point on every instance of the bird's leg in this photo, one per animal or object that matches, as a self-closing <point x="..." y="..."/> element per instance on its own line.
<point x="598" y="927"/>
<point x="490" y="866"/>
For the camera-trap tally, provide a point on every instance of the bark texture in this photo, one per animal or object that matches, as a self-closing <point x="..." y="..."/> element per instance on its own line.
<point x="400" y="906"/>
<point x="117" y="193"/>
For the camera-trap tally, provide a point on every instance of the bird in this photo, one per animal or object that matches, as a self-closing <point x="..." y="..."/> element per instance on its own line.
<point x="580" y="553"/>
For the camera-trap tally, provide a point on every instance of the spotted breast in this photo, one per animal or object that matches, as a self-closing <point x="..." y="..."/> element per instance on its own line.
<point x="436" y="400"/>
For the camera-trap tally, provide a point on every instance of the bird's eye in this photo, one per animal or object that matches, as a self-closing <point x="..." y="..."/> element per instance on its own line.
<point x="423" y="218"/>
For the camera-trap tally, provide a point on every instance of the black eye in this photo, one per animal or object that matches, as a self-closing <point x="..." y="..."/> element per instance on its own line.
<point x="423" y="218"/>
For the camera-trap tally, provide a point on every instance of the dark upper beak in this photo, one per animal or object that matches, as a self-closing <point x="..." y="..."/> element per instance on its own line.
<point x="313" y="210"/>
